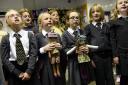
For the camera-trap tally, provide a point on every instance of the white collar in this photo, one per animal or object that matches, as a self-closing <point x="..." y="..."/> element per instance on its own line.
<point x="94" y="23"/>
<point x="70" y="30"/>
<point x="44" y="32"/>
<point x="119" y="16"/>
<point x="11" y="32"/>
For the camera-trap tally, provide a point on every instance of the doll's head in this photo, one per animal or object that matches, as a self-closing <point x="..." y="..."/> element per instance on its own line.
<point x="96" y="13"/>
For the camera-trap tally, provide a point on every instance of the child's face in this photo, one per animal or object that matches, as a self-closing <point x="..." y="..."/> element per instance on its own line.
<point x="14" y="19"/>
<point x="74" y="19"/>
<point x="26" y="18"/>
<point x="46" y="20"/>
<point x="122" y="6"/>
<point x="55" y="16"/>
<point x="96" y="14"/>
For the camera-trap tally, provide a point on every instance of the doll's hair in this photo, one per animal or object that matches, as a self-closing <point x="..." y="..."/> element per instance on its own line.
<point x="97" y="7"/>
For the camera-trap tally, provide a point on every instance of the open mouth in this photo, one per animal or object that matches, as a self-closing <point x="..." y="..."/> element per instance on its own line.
<point x="17" y="20"/>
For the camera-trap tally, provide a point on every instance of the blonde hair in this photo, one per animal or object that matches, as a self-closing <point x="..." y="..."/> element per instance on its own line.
<point x="99" y="7"/>
<point x="53" y="10"/>
<point x="115" y="12"/>
<point x="40" y="20"/>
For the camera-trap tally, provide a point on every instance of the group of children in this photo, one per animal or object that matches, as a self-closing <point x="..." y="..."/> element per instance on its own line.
<point x="32" y="58"/>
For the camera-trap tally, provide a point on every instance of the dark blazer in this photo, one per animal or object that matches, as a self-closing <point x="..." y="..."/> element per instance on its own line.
<point x="98" y="37"/>
<point x="44" y="66"/>
<point x="5" y="53"/>
<point x="73" y="67"/>
<point x="119" y="41"/>
<point x="119" y="35"/>
<point x="1" y="71"/>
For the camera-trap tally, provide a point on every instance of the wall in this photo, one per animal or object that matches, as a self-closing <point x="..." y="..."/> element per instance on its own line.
<point x="10" y="4"/>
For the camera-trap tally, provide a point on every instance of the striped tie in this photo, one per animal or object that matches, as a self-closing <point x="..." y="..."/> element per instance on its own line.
<point x="20" y="53"/>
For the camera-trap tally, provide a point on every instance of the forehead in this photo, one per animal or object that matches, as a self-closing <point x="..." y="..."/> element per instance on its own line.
<point x="25" y="13"/>
<point x="11" y="12"/>
<point x="44" y="15"/>
<point x="95" y="8"/>
<point x="54" y="12"/>
<point x="73" y="14"/>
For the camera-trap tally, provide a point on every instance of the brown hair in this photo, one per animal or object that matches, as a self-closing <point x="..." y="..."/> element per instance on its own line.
<point x="68" y="14"/>
<point x="99" y="7"/>
<point x="21" y="11"/>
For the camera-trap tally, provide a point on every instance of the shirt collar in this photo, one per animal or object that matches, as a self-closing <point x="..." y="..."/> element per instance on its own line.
<point x="11" y="32"/>
<point x="119" y="16"/>
<point x="70" y="30"/>
<point x="94" y="23"/>
<point x="44" y="32"/>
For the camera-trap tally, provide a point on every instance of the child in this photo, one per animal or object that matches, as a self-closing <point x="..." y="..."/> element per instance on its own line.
<point x="119" y="39"/>
<point x="97" y="33"/>
<point x="2" y="33"/>
<point x="27" y="20"/>
<point x="56" y="22"/>
<point x="78" y="72"/>
<point x="46" y="73"/>
<point x="18" y="51"/>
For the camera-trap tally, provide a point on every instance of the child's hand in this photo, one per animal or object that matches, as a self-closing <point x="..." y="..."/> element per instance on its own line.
<point x="116" y="60"/>
<point x="58" y="45"/>
<point x="21" y="75"/>
<point x="83" y="49"/>
<point x="26" y="76"/>
<point x="49" y="47"/>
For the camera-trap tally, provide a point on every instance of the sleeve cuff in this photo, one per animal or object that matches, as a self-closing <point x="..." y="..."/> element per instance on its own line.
<point x="17" y="72"/>
<point x="29" y="71"/>
<point x="42" y="50"/>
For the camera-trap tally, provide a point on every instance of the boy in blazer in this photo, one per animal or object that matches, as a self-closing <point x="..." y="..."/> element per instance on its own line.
<point x="97" y="33"/>
<point x="18" y="51"/>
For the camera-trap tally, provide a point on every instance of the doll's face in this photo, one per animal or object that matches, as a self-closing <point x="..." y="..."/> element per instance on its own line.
<point x="96" y="14"/>
<point x="74" y="19"/>
<point x="122" y="6"/>
<point x="13" y="19"/>
<point x="55" y="16"/>
<point x="26" y="18"/>
<point x="46" y="20"/>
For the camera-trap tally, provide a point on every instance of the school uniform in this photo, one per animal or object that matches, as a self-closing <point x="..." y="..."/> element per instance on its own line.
<point x="75" y="76"/>
<point x="32" y="29"/>
<point x="44" y="67"/>
<point x="102" y="57"/>
<point x="9" y="57"/>
<point x="119" y="40"/>
<point x="1" y="72"/>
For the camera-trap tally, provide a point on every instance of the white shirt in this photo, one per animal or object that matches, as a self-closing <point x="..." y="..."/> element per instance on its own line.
<point x="70" y="30"/>
<point x="94" y="23"/>
<point x="119" y="16"/>
<point x="25" y="42"/>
